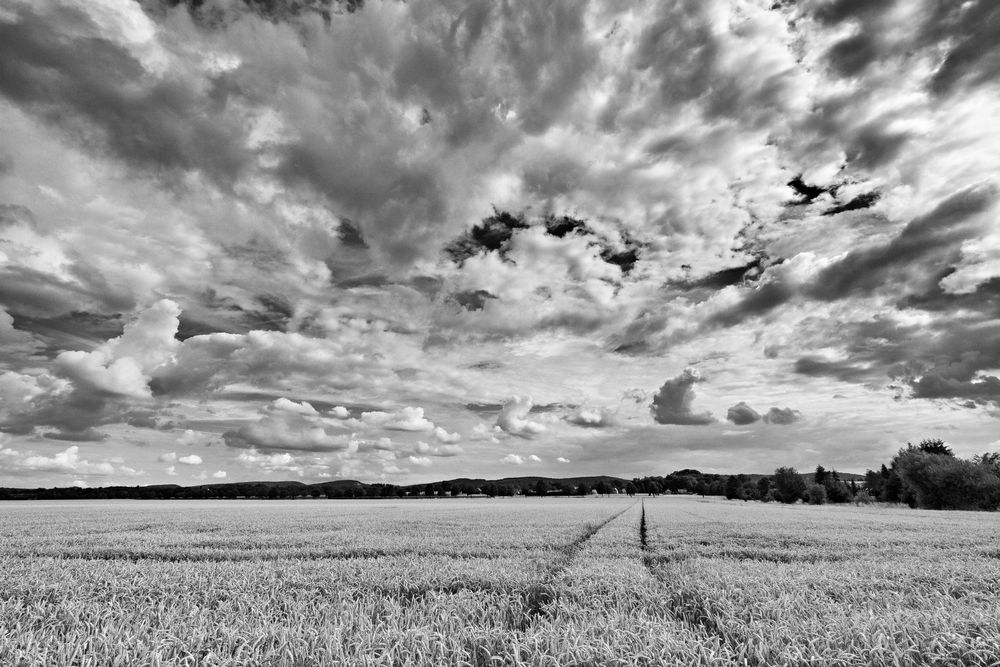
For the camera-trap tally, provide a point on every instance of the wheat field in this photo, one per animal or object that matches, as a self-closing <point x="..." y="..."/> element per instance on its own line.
<point x="540" y="581"/>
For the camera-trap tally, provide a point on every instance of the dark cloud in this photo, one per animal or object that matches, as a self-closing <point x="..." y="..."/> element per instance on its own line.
<point x="672" y="403"/>
<point x="852" y="55"/>
<point x="758" y="300"/>
<point x="956" y="383"/>
<point x="837" y="11"/>
<point x="742" y="414"/>
<point x="87" y="435"/>
<point x="806" y="191"/>
<point x="922" y="246"/>
<point x="100" y="94"/>
<point x="984" y="298"/>
<point x="967" y="32"/>
<point x="73" y="330"/>
<point x="971" y="31"/>
<point x="560" y="226"/>
<point x="862" y="201"/>
<point x="214" y="14"/>
<point x="492" y="234"/>
<point x="841" y="370"/>
<point x="782" y="416"/>
<point x="737" y="275"/>
<point x="472" y="300"/>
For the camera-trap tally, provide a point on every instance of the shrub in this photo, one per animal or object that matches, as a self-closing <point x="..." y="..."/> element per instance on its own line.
<point x="862" y="497"/>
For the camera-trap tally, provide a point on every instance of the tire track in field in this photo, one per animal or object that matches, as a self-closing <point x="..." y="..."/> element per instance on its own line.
<point x="688" y="607"/>
<point x="538" y="597"/>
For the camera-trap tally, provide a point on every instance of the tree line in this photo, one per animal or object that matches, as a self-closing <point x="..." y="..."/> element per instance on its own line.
<point x="927" y="475"/>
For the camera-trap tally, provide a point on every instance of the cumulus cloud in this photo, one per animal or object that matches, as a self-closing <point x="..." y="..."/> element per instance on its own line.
<point x="67" y="462"/>
<point x="782" y="416"/>
<point x="190" y="460"/>
<point x="672" y="403"/>
<point x="441" y="435"/>
<point x="562" y="459"/>
<point x="270" y="462"/>
<point x="742" y="414"/>
<point x="438" y="450"/>
<point x="513" y="418"/>
<point x="289" y="426"/>
<point x="488" y="433"/>
<point x="406" y="419"/>
<point x="302" y="408"/>
<point x="219" y="474"/>
<point x="189" y="438"/>
<point x="123" y="366"/>
<point x="513" y="459"/>
<point x="591" y="417"/>
<point x="422" y="461"/>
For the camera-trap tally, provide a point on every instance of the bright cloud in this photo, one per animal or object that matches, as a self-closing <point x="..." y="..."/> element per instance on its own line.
<point x="514" y="420"/>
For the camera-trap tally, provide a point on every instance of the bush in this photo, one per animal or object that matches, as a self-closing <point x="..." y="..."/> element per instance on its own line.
<point x="862" y="497"/>
<point x="816" y="494"/>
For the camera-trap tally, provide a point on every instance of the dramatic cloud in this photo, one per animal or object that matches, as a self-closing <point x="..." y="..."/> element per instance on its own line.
<point x="742" y="414"/>
<point x="672" y="403"/>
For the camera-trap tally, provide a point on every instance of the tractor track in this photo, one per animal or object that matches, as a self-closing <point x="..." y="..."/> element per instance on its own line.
<point x="688" y="607"/>
<point x="538" y="597"/>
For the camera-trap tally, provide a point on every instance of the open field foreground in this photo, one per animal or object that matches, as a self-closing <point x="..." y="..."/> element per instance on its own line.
<point x="668" y="580"/>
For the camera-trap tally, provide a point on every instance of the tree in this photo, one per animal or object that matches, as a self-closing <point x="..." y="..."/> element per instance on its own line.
<point x="942" y="481"/>
<point x="934" y="446"/>
<point x="789" y="485"/>
<point x="541" y="488"/>
<point x="988" y="459"/>
<point x="630" y="489"/>
<point x="763" y="486"/>
<point x="733" y="488"/>
<point x="582" y="489"/>
<point x="820" y="476"/>
<point x="816" y="494"/>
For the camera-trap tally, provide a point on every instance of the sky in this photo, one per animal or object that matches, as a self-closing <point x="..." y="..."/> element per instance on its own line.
<point x="410" y="241"/>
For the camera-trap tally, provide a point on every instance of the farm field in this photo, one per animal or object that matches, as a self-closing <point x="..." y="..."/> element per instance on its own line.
<point x="550" y="581"/>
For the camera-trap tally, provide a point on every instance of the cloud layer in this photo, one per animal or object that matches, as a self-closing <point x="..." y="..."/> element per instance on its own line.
<point x="291" y="243"/>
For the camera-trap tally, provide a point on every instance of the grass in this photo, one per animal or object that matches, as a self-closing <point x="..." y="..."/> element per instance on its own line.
<point x="671" y="580"/>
